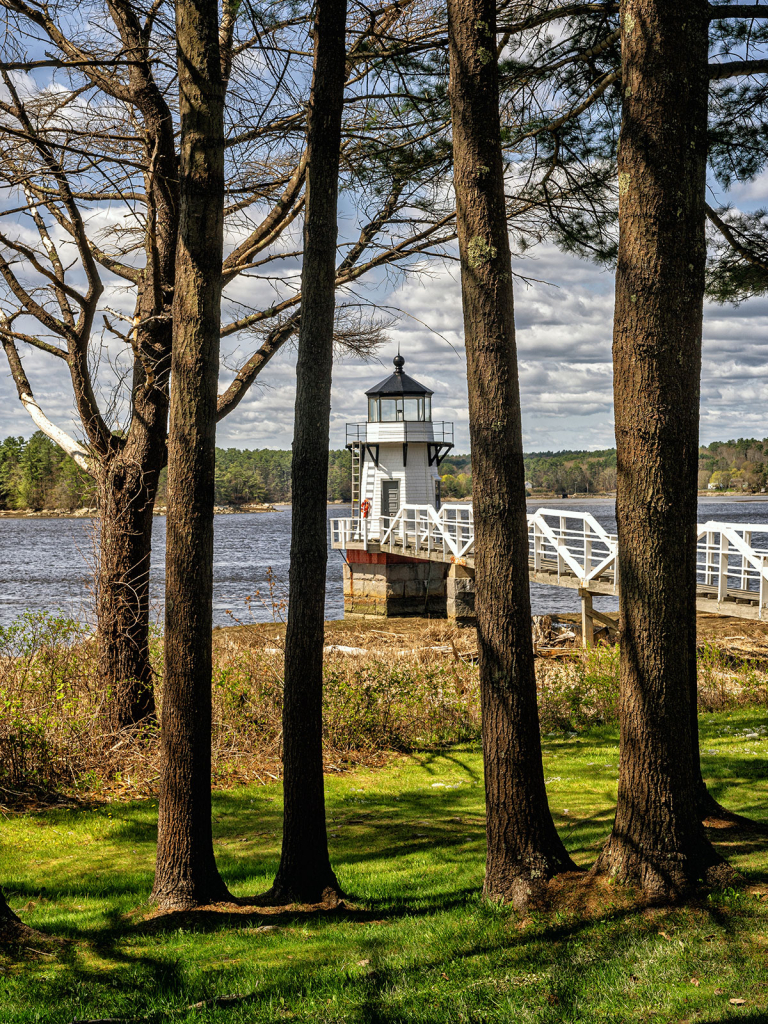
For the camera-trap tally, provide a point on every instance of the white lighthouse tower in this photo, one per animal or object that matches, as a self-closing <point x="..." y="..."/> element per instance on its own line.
<point x="396" y="454"/>
<point x="396" y="457"/>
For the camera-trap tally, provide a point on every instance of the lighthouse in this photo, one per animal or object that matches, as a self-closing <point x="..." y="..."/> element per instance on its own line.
<point x="396" y="454"/>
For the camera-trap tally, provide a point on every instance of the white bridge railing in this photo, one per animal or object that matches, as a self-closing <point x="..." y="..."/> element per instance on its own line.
<point x="448" y="534"/>
<point x="572" y="544"/>
<point x="732" y="562"/>
<point x="732" y="558"/>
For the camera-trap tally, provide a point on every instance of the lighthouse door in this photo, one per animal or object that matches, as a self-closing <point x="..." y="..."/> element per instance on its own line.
<point x="390" y="498"/>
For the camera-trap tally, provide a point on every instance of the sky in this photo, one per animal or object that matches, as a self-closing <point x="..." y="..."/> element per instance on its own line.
<point x="564" y="320"/>
<point x="564" y="351"/>
<point x="564" y="310"/>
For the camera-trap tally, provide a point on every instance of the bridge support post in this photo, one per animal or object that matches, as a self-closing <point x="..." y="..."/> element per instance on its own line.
<point x="587" y="621"/>
<point x="460" y="594"/>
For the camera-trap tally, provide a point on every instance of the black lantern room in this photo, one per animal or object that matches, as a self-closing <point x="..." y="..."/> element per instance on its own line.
<point x="399" y="399"/>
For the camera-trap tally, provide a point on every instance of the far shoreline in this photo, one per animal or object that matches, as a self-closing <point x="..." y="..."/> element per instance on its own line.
<point x="252" y="508"/>
<point x="256" y="508"/>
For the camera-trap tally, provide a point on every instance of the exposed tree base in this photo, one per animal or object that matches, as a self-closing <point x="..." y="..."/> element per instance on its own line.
<point x="169" y="900"/>
<point x="330" y="897"/>
<point x="660" y="876"/>
<point x="714" y="815"/>
<point x="16" y="933"/>
<point x="524" y="883"/>
<point x="13" y="931"/>
<point x="525" y="891"/>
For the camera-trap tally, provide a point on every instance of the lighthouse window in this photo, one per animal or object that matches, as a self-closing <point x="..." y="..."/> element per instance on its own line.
<point x="414" y="408"/>
<point x="389" y="410"/>
<point x="395" y="410"/>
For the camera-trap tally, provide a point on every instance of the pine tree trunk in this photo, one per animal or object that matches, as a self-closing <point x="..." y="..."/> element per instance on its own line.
<point x="186" y="872"/>
<point x="524" y="849"/>
<point x="9" y="922"/>
<point x="657" y="840"/>
<point x="305" y="873"/>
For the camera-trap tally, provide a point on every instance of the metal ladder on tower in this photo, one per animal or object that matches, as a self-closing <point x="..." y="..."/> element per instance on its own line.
<point x="355" y="447"/>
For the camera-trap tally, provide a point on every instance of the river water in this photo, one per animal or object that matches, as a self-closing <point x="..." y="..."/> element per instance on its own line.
<point x="48" y="563"/>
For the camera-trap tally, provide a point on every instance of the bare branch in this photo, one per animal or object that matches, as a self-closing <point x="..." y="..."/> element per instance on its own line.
<point x="737" y="69"/>
<point x="68" y="444"/>
<point x="737" y="11"/>
<point x="275" y="219"/>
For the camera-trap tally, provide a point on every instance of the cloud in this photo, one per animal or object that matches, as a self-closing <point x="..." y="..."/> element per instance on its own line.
<point x="564" y="329"/>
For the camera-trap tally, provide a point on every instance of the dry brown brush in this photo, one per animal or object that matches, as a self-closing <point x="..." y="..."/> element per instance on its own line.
<point x="389" y="688"/>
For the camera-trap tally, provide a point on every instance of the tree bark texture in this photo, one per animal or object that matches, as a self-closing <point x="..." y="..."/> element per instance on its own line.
<point x="186" y="872"/>
<point x="657" y="840"/>
<point x="9" y="922"/>
<point x="524" y="849"/>
<point x="127" y="488"/>
<point x="128" y="475"/>
<point x="305" y="873"/>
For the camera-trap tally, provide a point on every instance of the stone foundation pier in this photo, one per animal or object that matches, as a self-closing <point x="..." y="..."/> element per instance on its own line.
<point x="387" y="585"/>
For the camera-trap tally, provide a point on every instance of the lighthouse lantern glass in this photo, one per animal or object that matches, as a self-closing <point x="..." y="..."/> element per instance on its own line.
<point x="389" y="410"/>
<point x="395" y="410"/>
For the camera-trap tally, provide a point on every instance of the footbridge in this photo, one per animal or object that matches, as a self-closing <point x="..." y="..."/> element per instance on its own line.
<point x="571" y="549"/>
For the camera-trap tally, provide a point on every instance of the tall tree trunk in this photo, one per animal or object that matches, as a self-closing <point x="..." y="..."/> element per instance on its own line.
<point x="128" y="485"/>
<point x="524" y="849"/>
<point x="305" y="873"/>
<point x="128" y="476"/>
<point x="657" y="839"/>
<point x="186" y="873"/>
<point x="9" y="922"/>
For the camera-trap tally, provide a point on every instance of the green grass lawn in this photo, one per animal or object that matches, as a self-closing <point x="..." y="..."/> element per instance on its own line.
<point x="417" y="944"/>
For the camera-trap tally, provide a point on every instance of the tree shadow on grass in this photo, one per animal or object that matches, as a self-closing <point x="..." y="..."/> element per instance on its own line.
<point x="162" y="985"/>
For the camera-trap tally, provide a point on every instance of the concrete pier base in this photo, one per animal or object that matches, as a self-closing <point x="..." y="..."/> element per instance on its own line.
<point x="460" y="593"/>
<point x="387" y="585"/>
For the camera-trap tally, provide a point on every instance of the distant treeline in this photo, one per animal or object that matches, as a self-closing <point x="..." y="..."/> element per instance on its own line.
<point x="264" y="474"/>
<point x="37" y="474"/>
<point x="558" y="472"/>
<point x="723" y="465"/>
<point x="734" y="465"/>
<point x="571" y="472"/>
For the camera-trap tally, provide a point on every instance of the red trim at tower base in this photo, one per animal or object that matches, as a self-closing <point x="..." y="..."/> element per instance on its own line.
<point x="381" y="558"/>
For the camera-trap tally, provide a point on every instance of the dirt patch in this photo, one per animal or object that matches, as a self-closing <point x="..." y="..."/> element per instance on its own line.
<point x="255" y="914"/>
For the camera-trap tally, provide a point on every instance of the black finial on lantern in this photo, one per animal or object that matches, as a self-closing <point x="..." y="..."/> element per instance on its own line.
<point x="399" y="363"/>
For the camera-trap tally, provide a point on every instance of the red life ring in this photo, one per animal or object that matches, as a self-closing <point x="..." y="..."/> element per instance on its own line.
<point x="365" y="508"/>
